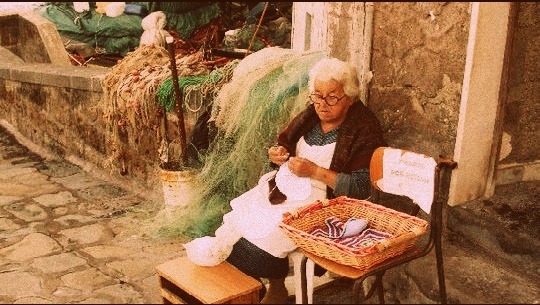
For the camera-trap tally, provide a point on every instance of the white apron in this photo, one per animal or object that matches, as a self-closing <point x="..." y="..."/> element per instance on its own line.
<point x="256" y="219"/>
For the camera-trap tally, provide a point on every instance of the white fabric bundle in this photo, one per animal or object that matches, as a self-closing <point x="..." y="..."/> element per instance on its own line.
<point x="115" y="9"/>
<point x="153" y="26"/>
<point x="80" y="7"/>
<point x="211" y="251"/>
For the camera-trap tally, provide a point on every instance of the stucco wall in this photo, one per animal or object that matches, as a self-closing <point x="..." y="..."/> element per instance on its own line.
<point x="522" y="109"/>
<point x="339" y="29"/>
<point x="418" y="60"/>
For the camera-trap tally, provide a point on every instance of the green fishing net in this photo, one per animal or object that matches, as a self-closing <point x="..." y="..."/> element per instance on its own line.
<point x="205" y="86"/>
<point x="267" y="89"/>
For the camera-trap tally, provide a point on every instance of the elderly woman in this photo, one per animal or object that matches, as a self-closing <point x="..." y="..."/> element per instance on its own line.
<point x="324" y="152"/>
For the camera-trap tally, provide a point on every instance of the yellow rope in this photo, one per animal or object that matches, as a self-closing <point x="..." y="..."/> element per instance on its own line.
<point x="257" y="29"/>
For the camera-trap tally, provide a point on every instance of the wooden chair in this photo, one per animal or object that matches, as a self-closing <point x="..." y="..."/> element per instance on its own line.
<point x="395" y="171"/>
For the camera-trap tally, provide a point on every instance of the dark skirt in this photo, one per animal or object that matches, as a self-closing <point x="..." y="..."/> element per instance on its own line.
<point x="256" y="262"/>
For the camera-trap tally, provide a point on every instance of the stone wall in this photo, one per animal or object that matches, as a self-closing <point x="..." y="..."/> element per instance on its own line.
<point x="32" y="38"/>
<point x="418" y="59"/>
<point x="523" y="105"/>
<point x="52" y="107"/>
<point x="8" y="36"/>
<point x="60" y="106"/>
<point x="61" y="109"/>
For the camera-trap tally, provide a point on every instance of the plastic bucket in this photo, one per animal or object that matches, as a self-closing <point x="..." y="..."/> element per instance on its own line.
<point x="177" y="186"/>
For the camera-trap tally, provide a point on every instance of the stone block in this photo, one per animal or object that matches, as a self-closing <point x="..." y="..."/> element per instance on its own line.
<point x="58" y="263"/>
<point x="27" y="73"/>
<point x="31" y="246"/>
<point x="19" y="283"/>
<point x="5" y="72"/>
<point x="56" y="78"/>
<point x="9" y="57"/>
<point x="510" y="173"/>
<point x="80" y="82"/>
<point x="41" y="41"/>
<point x="532" y="171"/>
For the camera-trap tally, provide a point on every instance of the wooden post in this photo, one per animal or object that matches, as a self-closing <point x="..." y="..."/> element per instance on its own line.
<point x="178" y="100"/>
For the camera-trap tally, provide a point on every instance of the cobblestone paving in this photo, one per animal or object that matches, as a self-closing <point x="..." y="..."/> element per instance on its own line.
<point x="67" y="237"/>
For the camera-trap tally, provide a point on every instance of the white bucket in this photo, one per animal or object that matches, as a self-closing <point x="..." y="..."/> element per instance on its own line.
<point x="177" y="186"/>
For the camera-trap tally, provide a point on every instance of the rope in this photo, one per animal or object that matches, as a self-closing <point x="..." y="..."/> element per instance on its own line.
<point x="257" y="29"/>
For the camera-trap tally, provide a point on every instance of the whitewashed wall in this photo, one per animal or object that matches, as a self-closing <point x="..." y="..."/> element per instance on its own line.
<point x="343" y="29"/>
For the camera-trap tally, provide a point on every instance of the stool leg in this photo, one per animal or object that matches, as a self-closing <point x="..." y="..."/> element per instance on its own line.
<point x="310" y="273"/>
<point x="296" y="257"/>
<point x="307" y="270"/>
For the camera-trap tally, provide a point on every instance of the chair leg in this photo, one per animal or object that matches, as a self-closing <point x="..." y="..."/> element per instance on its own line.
<point x="303" y="279"/>
<point x="380" y="290"/>
<point x="440" y="269"/>
<point x="358" y="291"/>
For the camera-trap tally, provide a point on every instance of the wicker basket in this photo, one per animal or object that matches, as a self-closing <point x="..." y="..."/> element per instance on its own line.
<point x="405" y="230"/>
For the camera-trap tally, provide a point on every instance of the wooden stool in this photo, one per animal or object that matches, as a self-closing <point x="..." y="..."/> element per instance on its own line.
<point x="183" y="282"/>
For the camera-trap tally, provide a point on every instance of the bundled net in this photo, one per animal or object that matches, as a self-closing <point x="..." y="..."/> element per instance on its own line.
<point x="198" y="91"/>
<point x="267" y="89"/>
<point x="196" y="88"/>
<point x="130" y="103"/>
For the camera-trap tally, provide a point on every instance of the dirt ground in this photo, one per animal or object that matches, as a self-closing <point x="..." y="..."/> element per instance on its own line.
<point x="515" y="206"/>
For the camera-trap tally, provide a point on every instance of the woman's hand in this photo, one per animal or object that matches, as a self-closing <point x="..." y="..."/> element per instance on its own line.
<point x="302" y="167"/>
<point x="278" y="154"/>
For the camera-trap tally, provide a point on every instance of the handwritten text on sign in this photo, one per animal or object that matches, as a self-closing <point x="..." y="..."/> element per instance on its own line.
<point x="409" y="174"/>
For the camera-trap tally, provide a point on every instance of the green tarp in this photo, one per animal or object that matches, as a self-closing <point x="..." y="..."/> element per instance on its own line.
<point x="120" y="35"/>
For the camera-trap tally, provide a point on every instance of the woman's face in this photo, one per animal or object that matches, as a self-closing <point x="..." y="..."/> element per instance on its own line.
<point x="332" y="115"/>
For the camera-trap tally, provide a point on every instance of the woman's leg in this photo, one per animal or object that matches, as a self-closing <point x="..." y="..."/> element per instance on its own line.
<point x="258" y="263"/>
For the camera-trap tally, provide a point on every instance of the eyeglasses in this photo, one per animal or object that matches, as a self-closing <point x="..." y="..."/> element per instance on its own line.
<point x="329" y="100"/>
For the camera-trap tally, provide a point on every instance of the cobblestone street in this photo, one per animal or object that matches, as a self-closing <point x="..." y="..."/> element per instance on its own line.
<point x="68" y="237"/>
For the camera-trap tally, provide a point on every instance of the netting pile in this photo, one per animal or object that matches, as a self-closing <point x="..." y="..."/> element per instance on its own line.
<point x="267" y="89"/>
<point x="198" y="91"/>
<point x="196" y="88"/>
<point x="130" y="103"/>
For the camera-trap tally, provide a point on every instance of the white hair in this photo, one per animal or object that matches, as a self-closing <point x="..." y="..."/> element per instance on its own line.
<point x="340" y="71"/>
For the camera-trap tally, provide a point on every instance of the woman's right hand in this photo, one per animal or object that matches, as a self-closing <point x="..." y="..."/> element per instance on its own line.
<point x="278" y="154"/>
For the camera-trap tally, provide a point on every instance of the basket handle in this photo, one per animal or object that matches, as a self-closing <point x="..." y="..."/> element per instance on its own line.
<point x="318" y="204"/>
<point x="390" y="242"/>
<point x="301" y="211"/>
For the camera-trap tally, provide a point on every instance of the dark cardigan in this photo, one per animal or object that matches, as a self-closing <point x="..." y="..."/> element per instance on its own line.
<point x="359" y="135"/>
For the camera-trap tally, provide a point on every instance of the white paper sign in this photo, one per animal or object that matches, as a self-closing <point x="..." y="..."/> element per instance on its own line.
<point x="409" y="174"/>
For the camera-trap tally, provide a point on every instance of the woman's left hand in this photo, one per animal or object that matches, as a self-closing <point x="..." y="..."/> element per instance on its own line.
<point x="302" y="167"/>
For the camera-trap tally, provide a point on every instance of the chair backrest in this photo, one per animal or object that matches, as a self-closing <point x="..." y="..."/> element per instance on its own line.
<point x="416" y="176"/>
